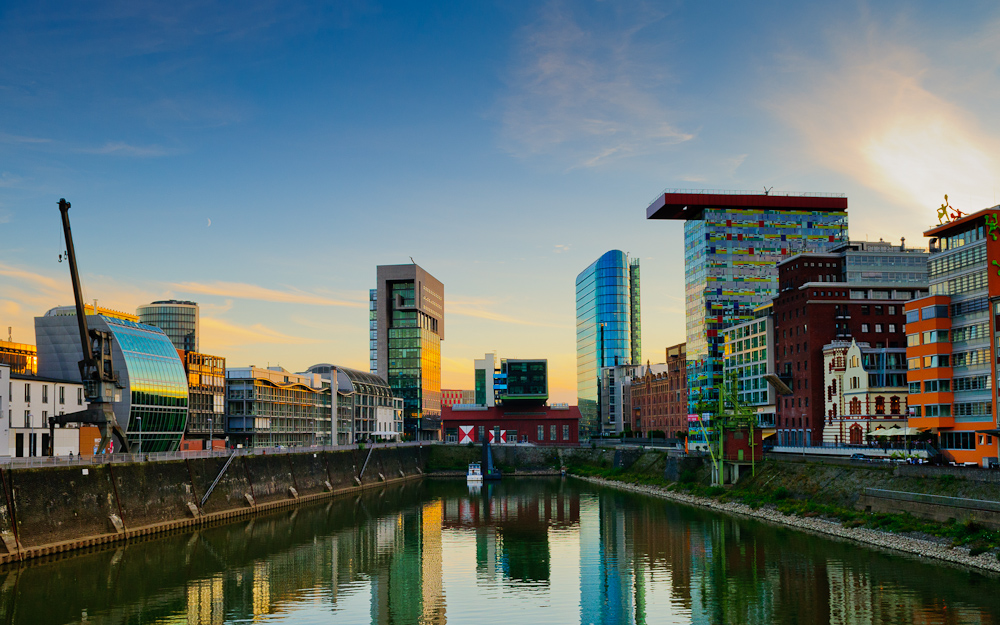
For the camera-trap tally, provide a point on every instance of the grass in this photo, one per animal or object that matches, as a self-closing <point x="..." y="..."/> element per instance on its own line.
<point x="978" y="538"/>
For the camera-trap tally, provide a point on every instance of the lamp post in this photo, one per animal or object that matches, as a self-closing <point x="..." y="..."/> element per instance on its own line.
<point x="139" y="421"/>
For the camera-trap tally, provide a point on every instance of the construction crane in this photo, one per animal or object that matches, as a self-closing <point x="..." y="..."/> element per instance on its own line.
<point x="100" y="382"/>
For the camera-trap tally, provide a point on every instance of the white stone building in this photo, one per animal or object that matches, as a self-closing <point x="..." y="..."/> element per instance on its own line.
<point x="27" y="402"/>
<point x="864" y="388"/>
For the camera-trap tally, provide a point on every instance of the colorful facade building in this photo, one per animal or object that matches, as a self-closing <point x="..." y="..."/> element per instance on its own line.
<point x="206" y="377"/>
<point x="855" y="290"/>
<point x="864" y="389"/>
<point x="733" y="242"/>
<point x="608" y="328"/>
<point x="952" y="339"/>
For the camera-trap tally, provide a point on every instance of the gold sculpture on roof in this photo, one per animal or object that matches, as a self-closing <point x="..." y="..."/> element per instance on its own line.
<point x="943" y="213"/>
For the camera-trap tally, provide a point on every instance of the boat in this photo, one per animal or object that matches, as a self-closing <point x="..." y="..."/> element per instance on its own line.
<point x="475" y="474"/>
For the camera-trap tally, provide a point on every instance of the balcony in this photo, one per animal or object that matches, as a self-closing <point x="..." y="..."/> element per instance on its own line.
<point x="930" y="422"/>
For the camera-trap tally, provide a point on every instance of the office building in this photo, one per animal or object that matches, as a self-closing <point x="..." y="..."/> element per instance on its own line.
<point x="206" y="376"/>
<point x="865" y="391"/>
<point x="178" y="319"/>
<point x="373" y="413"/>
<point x="616" y="398"/>
<point x="20" y="357"/>
<point x="952" y="340"/>
<point x="733" y="242"/>
<point x="748" y="360"/>
<point x="153" y="407"/>
<point x="485" y="380"/>
<point x="607" y="328"/>
<point x="452" y="396"/>
<point x="406" y="324"/>
<point x="274" y="407"/>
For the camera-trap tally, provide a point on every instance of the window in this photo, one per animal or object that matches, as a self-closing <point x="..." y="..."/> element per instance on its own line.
<point x="27" y="419"/>
<point x="565" y="432"/>
<point x="912" y="340"/>
<point x="27" y="391"/>
<point x="541" y="432"/>
<point x="913" y="363"/>
<point x="912" y="316"/>
<point x="937" y="386"/>
<point x="892" y="328"/>
<point x="958" y="440"/>
<point x="879" y="310"/>
<point x="878" y="327"/>
<point x="552" y="433"/>
<point x="45" y="393"/>
<point x="79" y="397"/>
<point x="482" y="433"/>
<point x="941" y="360"/>
<point x="931" y="312"/>
<point x="892" y="310"/>
<point x="914" y="388"/>
<point x="62" y="394"/>
<point x="864" y="327"/>
<point x="865" y="310"/>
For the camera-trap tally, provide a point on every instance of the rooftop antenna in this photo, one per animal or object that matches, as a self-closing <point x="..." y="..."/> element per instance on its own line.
<point x="413" y="261"/>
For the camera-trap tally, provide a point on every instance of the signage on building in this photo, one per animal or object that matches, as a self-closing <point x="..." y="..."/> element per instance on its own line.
<point x="465" y="434"/>
<point x="692" y="418"/>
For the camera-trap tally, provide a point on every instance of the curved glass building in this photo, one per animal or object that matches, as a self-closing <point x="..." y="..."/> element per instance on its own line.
<point x="366" y="406"/>
<point x="154" y="405"/>
<point x="178" y="319"/>
<point x="607" y="327"/>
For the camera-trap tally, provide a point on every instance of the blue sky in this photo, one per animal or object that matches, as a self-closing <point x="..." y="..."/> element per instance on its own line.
<point x="504" y="146"/>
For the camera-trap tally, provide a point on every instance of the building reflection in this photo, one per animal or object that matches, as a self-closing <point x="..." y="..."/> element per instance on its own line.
<point x="384" y="557"/>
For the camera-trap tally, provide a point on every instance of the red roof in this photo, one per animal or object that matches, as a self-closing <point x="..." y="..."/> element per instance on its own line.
<point x="686" y="204"/>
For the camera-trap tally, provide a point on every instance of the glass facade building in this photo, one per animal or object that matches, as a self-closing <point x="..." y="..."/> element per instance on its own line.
<point x="406" y="321"/>
<point x="269" y="407"/>
<point x="178" y="319"/>
<point x="154" y="403"/>
<point x="607" y="328"/>
<point x="366" y="407"/>
<point x="733" y="242"/>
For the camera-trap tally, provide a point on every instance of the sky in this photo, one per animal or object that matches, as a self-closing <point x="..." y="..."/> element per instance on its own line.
<point x="263" y="157"/>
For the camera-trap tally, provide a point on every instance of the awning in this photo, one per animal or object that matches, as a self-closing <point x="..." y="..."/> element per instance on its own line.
<point x="768" y="434"/>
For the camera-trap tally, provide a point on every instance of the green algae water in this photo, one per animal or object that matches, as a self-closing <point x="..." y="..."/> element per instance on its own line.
<point x="523" y="551"/>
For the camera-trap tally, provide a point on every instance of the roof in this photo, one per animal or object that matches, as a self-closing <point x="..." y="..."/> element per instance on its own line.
<point x="38" y="378"/>
<point x="961" y="223"/>
<point x="499" y="413"/>
<point x="686" y="204"/>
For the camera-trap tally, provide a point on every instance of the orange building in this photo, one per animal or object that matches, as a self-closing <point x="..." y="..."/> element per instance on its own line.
<point x="951" y="339"/>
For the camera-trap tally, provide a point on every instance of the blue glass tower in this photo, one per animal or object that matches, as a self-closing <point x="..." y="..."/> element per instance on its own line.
<point x="607" y="327"/>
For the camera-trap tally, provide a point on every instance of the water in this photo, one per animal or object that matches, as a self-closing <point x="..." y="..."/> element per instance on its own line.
<point x="525" y="551"/>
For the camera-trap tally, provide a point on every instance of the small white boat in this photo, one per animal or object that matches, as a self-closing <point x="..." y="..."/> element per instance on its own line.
<point x="475" y="474"/>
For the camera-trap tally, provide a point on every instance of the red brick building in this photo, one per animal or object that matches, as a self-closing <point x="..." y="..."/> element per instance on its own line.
<point x="857" y="290"/>
<point x="659" y="395"/>
<point x="541" y="425"/>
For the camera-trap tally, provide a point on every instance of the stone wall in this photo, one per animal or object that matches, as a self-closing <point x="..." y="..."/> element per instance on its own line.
<point x="54" y="509"/>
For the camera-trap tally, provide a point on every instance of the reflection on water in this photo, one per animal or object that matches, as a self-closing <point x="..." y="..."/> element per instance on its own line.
<point x="522" y="551"/>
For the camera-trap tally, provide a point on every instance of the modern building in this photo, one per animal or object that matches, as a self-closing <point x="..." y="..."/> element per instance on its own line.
<point x="485" y="380"/>
<point x="952" y="339"/>
<point x="274" y="407"/>
<point x="20" y="357"/>
<point x="153" y="407"/>
<point x="451" y="396"/>
<point x="540" y="425"/>
<point x="406" y="324"/>
<point x="855" y="290"/>
<point x="607" y="328"/>
<point x="206" y="377"/>
<point x="733" y="242"/>
<point x="865" y="390"/>
<point x="179" y="319"/>
<point x="27" y="401"/>
<point x="373" y="413"/>
<point x="749" y="360"/>
<point x="616" y="398"/>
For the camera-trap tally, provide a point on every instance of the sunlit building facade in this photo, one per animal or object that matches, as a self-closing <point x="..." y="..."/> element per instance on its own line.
<point x="406" y="324"/>
<point x="274" y="407"/>
<point x="607" y="328"/>
<point x="20" y="357"/>
<point x="179" y="319"/>
<point x="154" y="398"/>
<point x="373" y="413"/>
<point x="206" y="376"/>
<point x="733" y="242"/>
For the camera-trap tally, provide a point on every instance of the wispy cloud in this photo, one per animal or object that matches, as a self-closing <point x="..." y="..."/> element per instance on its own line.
<point x="562" y="247"/>
<point x="119" y="148"/>
<point x="223" y="334"/>
<point x="881" y="111"/>
<point x="7" y="138"/>
<point x="483" y="308"/>
<point x="583" y="88"/>
<point x="255" y="292"/>
<point x="8" y="179"/>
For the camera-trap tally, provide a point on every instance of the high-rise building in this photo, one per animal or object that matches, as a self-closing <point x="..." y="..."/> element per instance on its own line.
<point x="178" y="319"/>
<point x="406" y="324"/>
<point x="748" y="359"/>
<point x="952" y="337"/>
<point x="607" y="328"/>
<point x="153" y="407"/>
<point x="733" y="242"/>
<point x="854" y="290"/>
<point x="616" y="398"/>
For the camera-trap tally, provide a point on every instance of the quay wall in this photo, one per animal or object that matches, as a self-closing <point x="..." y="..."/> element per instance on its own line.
<point x="59" y="508"/>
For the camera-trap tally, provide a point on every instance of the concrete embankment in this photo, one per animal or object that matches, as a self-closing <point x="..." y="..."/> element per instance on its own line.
<point x="54" y="509"/>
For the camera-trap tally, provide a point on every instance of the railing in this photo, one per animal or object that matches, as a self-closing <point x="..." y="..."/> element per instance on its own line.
<point x="99" y="459"/>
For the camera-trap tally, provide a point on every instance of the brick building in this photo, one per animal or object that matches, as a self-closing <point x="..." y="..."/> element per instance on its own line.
<point x="659" y="395"/>
<point x="855" y="290"/>
<point x="542" y="425"/>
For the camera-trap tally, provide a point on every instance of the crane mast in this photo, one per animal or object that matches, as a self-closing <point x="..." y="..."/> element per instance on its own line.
<point x="100" y="383"/>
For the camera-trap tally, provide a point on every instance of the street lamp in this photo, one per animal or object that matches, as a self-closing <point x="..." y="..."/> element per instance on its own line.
<point x="139" y="420"/>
